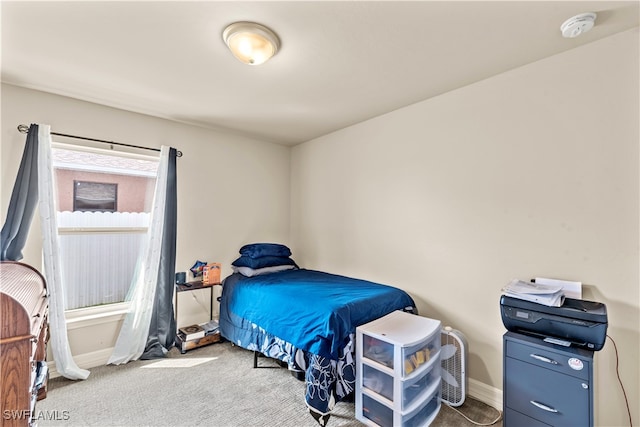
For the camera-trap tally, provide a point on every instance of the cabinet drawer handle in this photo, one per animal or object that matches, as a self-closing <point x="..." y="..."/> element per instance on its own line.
<point x="544" y="407"/>
<point x="543" y="359"/>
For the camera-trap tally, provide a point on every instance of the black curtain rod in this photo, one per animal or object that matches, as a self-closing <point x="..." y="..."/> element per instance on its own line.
<point x="25" y="129"/>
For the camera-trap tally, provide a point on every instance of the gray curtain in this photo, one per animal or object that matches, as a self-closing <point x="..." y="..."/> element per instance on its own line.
<point x="23" y="202"/>
<point x="162" y="330"/>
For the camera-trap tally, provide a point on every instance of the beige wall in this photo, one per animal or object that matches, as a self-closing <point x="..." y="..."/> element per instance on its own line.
<point x="231" y="190"/>
<point x="530" y="173"/>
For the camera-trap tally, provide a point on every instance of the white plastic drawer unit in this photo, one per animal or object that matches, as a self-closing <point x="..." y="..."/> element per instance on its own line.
<point x="398" y="370"/>
<point x="377" y="381"/>
<point x="380" y="414"/>
<point x="414" y="386"/>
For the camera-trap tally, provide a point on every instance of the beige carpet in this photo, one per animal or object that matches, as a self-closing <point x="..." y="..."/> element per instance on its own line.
<point x="211" y="386"/>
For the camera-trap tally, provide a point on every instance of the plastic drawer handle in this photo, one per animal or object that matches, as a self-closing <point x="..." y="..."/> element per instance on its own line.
<point x="544" y="407"/>
<point x="543" y="359"/>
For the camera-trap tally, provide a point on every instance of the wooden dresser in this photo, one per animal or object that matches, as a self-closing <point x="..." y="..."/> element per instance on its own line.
<point x="23" y="342"/>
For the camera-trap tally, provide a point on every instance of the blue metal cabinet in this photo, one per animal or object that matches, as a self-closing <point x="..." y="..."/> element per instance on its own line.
<point x="546" y="384"/>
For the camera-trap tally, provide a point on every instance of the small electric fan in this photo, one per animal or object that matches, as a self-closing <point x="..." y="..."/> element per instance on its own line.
<point x="454" y="366"/>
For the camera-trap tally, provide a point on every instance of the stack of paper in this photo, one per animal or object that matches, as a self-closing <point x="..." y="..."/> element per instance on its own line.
<point x="571" y="289"/>
<point x="210" y="327"/>
<point x="551" y="295"/>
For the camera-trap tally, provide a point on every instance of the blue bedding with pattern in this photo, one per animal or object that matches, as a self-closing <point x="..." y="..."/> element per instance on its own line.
<point x="308" y="319"/>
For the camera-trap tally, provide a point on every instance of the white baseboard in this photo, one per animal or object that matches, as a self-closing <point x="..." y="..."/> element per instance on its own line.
<point x="84" y="361"/>
<point x="485" y="393"/>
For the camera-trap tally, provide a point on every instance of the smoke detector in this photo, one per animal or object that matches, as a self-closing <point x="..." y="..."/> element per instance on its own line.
<point x="577" y="25"/>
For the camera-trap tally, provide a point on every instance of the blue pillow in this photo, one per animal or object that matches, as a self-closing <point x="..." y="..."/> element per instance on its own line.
<point x="264" y="261"/>
<point x="257" y="250"/>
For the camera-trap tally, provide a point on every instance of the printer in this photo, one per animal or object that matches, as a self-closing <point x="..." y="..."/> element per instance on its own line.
<point x="577" y="323"/>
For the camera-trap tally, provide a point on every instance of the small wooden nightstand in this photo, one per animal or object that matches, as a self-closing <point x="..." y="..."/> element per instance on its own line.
<point x="184" y="346"/>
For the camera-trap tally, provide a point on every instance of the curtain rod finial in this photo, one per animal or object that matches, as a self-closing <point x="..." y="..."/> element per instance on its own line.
<point x="23" y="128"/>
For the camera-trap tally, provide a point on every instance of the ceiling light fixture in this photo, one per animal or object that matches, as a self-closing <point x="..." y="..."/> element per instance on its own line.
<point x="577" y="25"/>
<point x="251" y="43"/>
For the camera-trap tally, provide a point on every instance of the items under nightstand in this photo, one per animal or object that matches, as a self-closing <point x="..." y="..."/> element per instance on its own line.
<point x="211" y="332"/>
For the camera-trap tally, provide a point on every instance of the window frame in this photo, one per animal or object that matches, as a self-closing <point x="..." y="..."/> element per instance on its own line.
<point x="102" y="313"/>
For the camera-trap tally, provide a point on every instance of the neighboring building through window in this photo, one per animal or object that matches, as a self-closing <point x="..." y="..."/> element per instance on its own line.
<point x="103" y="203"/>
<point x="95" y="196"/>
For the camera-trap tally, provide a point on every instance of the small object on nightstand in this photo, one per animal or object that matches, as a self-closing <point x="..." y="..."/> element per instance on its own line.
<point x="196" y="268"/>
<point x="211" y="273"/>
<point x="181" y="278"/>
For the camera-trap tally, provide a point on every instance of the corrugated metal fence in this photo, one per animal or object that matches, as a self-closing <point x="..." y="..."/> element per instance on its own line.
<point x="99" y="252"/>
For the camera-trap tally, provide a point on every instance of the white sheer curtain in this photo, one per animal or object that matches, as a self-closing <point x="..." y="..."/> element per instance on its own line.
<point x="133" y="336"/>
<point x="65" y="364"/>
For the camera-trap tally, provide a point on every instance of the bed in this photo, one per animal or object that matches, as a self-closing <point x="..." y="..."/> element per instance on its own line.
<point x="307" y="319"/>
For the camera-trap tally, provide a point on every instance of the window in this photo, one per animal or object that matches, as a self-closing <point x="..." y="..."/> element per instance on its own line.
<point x="103" y="203"/>
<point x="95" y="196"/>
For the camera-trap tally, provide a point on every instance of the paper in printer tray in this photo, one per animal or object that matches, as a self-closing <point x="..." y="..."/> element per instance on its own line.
<point x="582" y="323"/>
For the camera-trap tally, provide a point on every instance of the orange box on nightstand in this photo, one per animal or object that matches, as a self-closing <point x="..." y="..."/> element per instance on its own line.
<point x="211" y="274"/>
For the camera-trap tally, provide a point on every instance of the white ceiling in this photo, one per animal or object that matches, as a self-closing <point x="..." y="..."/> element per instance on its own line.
<point x="341" y="62"/>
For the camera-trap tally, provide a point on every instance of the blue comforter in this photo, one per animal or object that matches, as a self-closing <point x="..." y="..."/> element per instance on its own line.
<point x="308" y="319"/>
<point x="312" y="310"/>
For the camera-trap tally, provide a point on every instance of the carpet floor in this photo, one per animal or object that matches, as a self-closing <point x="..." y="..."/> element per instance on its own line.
<point x="214" y="385"/>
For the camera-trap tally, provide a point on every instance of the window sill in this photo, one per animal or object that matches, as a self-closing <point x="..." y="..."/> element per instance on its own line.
<point x="84" y="317"/>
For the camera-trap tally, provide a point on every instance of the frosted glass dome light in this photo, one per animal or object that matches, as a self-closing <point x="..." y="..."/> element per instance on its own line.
<point x="250" y="42"/>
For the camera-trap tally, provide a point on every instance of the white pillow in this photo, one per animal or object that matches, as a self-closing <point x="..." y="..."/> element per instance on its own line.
<point x="250" y="272"/>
